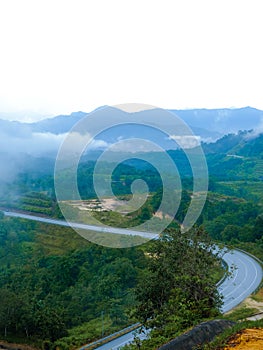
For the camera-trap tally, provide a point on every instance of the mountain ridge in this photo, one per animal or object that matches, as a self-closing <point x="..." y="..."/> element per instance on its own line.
<point x="220" y="121"/>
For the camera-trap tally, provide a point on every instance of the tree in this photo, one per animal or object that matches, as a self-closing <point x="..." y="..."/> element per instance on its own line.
<point x="12" y="307"/>
<point x="3" y="234"/>
<point x="49" y="323"/>
<point x="258" y="228"/>
<point x="230" y="233"/>
<point x="178" y="288"/>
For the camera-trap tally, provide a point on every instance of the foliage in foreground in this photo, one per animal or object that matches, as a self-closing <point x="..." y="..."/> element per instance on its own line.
<point x="177" y="290"/>
<point x="52" y="280"/>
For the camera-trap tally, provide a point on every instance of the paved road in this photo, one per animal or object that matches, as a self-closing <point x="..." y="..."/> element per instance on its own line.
<point x="245" y="278"/>
<point x="106" y="229"/>
<point x="246" y="272"/>
<point x="246" y="275"/>
<point x="118" y="343"/>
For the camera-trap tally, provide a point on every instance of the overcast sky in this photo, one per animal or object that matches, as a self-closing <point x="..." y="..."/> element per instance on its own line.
<point x="64" y="56"/>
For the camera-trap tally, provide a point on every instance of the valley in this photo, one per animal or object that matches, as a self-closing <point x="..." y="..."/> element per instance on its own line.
<point x="70" y="288"/>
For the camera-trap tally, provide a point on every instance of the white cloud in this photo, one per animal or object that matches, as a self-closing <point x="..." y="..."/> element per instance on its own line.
<point x="38" y="144"/>
<point x="98" y="144"/>
<point x="135" y="146"/>
<point x="187" y="141"/>
<point x="34" y="144"/>
<point x="256" y="131"/>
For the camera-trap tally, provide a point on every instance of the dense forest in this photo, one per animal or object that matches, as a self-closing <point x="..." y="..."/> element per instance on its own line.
<point x="53" y="281"/>
<point x="59" y="290"/>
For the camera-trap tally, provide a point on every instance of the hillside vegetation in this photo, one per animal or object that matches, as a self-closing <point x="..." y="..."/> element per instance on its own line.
<point x="59" y="290"/>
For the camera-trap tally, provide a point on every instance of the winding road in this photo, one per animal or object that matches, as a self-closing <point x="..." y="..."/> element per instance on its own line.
<point x="245" y="277"/>
<point x="245" y="272"/>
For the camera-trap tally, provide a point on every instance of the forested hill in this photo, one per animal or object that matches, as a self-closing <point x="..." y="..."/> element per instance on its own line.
<point x="244" y="143"/>
<point x="236" y="157"/>
<point x="62" y="291"/>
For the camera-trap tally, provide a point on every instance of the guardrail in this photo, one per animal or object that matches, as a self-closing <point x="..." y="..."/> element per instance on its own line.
<point x="226" y="268"/>
<point x="135" y="326"/>
<point x="110" y="337"/>
<point x="251" y="255"/>
<point x="259" y="261"/>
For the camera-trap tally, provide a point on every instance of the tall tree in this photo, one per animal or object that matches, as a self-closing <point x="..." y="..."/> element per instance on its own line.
<point x="178" y="287"/>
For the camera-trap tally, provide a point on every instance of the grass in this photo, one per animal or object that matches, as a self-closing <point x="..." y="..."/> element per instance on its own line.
<point x="87" y="333"/>
<point x="77" y="336"/>
<point x="221" y="341"/>
<point x="21" y="343"/>
<point x="238" y="315"/>
<point x="56" y="240"/>
<point x="241" y="313"/>
<point x="112" y="240"/>
<point x="53" y="239"/>
<point x="218" y="272"/>
<point x="258" y="296"/>
<point x="250" y="190"/>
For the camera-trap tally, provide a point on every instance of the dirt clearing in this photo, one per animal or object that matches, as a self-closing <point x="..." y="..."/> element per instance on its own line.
<point x="248" y="339"/>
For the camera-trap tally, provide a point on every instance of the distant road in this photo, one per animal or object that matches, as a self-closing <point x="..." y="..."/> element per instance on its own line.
<point x="106" y="229"/>
<point x="246" y="272"/>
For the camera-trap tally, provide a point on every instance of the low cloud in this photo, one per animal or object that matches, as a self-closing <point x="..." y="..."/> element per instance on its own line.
<point x="35" y="144"/>
<point x="98" y="144"/>
<point x="258" y="130"/>
<point x="16" y="148"/>
<point x="8" y="170"/>
<point x="41" y="144"/>
<point x="135" y="145"/>
<point x="186" y="141"/>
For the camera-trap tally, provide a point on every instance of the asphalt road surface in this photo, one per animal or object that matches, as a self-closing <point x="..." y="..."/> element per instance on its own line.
<point x="118" y="343"/>
<point x="102" y="229"/>
<point x="245" y="272"/>
<point x="245" y="277"/>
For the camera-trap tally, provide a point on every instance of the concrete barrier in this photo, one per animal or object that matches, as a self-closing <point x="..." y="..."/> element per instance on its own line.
<point x="199" y="335"/>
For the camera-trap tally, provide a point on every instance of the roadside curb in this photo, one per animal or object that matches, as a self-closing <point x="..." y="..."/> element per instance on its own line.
<point x="110" y="337"/>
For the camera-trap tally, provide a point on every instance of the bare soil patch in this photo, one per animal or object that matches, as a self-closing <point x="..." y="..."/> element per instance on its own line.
<point x="13" y="346"/>
<point x="248" y="339"/>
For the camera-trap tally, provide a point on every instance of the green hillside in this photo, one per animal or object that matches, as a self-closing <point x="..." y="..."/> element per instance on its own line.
<point x="59" y="291"/>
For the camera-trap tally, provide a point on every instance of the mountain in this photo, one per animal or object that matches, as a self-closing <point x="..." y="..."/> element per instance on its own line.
<point x="46" y="135"/>
<point x="57" y="125"/>
<point x="251" y="147"/>
<point x="63" y="123"/>
<point x="223" y="121"/>
<point x="37" y="143"/>
<point x="207" y="123"/>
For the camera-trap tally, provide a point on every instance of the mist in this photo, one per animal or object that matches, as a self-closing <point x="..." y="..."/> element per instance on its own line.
<point x="258" y="130"/>
<point x="35" y="144"/>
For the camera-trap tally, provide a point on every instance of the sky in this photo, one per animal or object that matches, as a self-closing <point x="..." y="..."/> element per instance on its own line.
<point x="58" y="57"/>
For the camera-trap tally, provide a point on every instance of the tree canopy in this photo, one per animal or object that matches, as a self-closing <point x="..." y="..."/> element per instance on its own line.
<point x="177" y="289"/>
